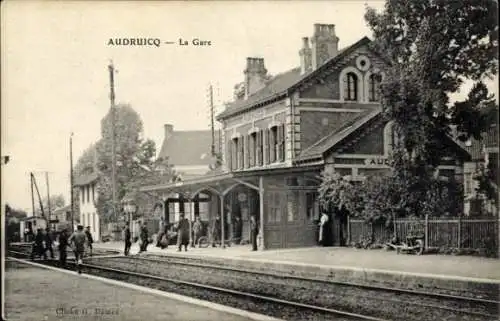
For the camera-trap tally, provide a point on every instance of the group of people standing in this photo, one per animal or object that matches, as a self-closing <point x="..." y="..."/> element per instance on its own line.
<point x="144" y="239"/>
<point x="182" y="230"/>
<point x="78" y="240"/>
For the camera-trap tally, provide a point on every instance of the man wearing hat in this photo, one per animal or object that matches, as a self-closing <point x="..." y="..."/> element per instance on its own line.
<point x="79" y="239"/>
<point x="90" y="240"/>
<point x="63" y="244"/>
<point x="39" y="245"/>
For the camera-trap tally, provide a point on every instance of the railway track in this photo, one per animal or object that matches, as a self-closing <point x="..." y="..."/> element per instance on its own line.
<point x="490" y="298"/>
<point x="412" y="304"/>
<point x="452" y="307"/>
<point x="284" y="309"/>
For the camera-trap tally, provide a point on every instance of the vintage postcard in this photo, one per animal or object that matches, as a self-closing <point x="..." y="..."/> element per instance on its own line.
<point x="250" y="160"/>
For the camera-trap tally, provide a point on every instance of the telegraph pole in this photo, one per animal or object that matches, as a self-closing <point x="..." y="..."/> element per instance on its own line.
<point x="111" y="69"/>
<point x="71" y="182"/>
<point x="212" y="119"/>
<point x="32" y="195"/>
<point x="48" y="191"/>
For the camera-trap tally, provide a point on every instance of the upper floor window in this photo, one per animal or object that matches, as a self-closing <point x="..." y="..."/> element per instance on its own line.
<point x="240" y="149"/>
<point x="280" y="146"/>
<point x="351" y="87"/>
<point x="273" y="143"/>
<point x="252" y="149"/>
<point x="259" y="154"/>
<point x="374" y="87"/>
<point x="235" y="152"/>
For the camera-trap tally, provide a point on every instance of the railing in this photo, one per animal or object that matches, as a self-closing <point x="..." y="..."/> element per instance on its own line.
<point x="454" y="232"/>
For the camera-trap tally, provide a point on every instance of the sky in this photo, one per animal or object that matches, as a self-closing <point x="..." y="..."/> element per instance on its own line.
<point x="55" y="77"/>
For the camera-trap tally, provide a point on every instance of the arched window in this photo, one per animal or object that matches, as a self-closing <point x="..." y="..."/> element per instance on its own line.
<point x="351" y="87"/>
<point x="374" y="87"/>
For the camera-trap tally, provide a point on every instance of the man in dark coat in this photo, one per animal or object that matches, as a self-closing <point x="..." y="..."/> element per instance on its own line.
<point x="39" y="246"/>
<point x="79" y="239"/>
<point x="63" y="244"/>
<point x="216" y="231"/>
<point x="237" y="228"/>
<point x="144" y="238"/>
<point x="90" y="240"/>
<point x="182" y="233"/>
<point x="128" y="239"/>
<point x="48" y="242"/>
<point x="254" y="230"/>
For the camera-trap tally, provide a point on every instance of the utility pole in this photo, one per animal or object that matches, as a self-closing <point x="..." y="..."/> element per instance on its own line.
<point x="32" y="195"/>
<point x="48" y="192"/>
<point x="212" y="124"/>
<point x="39" y="197"/>
<point x="111" y="69"/>
<point x="71" y="182"/>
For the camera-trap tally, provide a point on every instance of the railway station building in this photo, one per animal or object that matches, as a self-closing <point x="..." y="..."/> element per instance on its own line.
<point x="279" y="133"/>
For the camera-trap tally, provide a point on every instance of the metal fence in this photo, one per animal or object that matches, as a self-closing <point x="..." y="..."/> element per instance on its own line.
<point x="437" y="232"/>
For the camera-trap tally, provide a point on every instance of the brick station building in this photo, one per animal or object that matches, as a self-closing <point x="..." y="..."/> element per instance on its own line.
<point x="280" y="133"/>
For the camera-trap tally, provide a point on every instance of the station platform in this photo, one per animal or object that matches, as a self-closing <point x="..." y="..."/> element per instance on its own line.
<point x="439" y="265"/>
<point x="45" y="293"/>
<point x="377" y="267"/>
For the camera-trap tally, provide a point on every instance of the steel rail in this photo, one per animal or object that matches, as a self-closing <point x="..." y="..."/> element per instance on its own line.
<point x="233" y="292"/>
<point x="370" y="287"/>
<point x="352" y="284"/>
<point x="355" y="285"/>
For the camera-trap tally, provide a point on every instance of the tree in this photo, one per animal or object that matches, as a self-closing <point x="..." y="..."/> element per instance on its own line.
<point x="431" y="47"/>
<point x="487" y="178"/>
<point x="11" y="222"/>
<point x="86" y="163"/>
<point x="127" y="143"/>
<point x="135" y="160"/>
<point x="56" y="201"/>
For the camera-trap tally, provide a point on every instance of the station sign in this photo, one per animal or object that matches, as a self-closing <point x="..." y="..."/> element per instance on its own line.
<point x="377" y="161"/>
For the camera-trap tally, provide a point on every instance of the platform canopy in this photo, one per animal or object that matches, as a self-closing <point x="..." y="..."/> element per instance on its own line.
<point x="221" y="184"/>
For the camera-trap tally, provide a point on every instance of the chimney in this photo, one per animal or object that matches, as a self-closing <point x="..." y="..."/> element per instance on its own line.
<point x="324" y="44"/>
<point x="305" y="56"/>
<point x="255" y="75"/>
<point x="169" y="129"/>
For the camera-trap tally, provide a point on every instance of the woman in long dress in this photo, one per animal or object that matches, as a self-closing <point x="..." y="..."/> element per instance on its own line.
<point x="322" y="228"/>
<point x="182" y="233"/>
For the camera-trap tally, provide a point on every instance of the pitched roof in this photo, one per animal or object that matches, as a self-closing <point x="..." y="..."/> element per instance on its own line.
<point x="86" y="179"/>
<point x="189" y="147"/>
<point x="330" y="140"/>
<point x="489" y="140"/>
<point x="282" y="83"/>
<point x="62" y="209"/>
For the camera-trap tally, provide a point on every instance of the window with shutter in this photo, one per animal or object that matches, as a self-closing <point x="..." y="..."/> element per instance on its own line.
<point x="234" y="155"/>
<point x="241" y="153"/>
<point x="267" y="143"/>
<point x="273" y="145"/>
<point x="229" y="156"/>
<point x="281" y="143"/>
<point x="260" y="151"/>
<point x="246" y="152"/>
<point x="253" y="149"/>
<point x="283" y="136"/>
